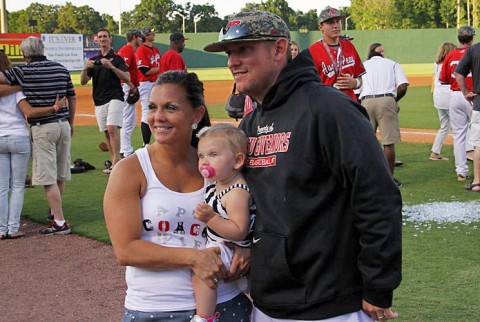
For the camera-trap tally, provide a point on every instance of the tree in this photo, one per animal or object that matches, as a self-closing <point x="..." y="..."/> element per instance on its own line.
<point x="153" y="13"/>
<point x="83" y="20"/>
<point x="45" y="16"/>
<point x="308" y="20"/>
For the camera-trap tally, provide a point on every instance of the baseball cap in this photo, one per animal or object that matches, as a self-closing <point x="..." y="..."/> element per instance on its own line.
<point x="134" y="32"/>
<point x="466" y="31"/>
<point x="147" y="31"/>
<point x="252" y="25"/>
<point x="177" y="36"/>
<point x="328" y="13"/>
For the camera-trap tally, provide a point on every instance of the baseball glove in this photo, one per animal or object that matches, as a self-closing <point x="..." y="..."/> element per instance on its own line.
<point x="133" y="95"/>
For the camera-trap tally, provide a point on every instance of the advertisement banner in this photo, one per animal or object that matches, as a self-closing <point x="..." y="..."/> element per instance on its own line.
<point x="10" y="44"/>
<point x="66" y="49"/>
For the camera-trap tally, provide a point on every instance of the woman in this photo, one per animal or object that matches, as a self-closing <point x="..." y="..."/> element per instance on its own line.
<point x="14" y="151"/>
<point x="294" y="48"/>
<point x="441" y="100"/>
<point x="149" y="204"/>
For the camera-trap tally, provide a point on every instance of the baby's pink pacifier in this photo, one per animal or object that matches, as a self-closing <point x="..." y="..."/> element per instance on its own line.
<point x="207" y="171"/>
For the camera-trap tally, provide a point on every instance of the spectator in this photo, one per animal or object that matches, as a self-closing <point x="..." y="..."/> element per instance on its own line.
<point x="384" y="84"/>
<point x="441" y="100"/>
<point x="148" y="64"/>
<point x="336" y="59"/>
<point x="42" y="82"/>
<point x="459" y="108"/>
<point x="15" y="151"/>
<point x="228" y="210"/>
<point x="295" y="49"/>
<point x="148" y="206"/>
<point x="127" y="52"/>
<point x="107" y="69"/>
<point x="470" y="65"/>
<point x="327" y="235"/>
<point x="172" y="60"/>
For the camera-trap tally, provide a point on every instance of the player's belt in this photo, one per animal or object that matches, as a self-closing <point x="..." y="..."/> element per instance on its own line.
<point x="377" y="96"/>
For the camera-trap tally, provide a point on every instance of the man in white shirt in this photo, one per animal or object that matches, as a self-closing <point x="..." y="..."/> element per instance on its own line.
<point x="384" y="84"/>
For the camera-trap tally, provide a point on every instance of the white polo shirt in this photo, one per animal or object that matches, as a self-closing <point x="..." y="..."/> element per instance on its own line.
<point x="383" y="76"/>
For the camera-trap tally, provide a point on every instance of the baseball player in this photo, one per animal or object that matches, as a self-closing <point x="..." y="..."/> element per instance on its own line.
<point x="337" y="60"/>
<point x="127" y="52"/>
<point x="459" y="108"/>
<point x="148" y="64"/>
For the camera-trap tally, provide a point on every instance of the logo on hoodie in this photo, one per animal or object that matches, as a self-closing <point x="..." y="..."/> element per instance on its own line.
<point x="263" y="149"/>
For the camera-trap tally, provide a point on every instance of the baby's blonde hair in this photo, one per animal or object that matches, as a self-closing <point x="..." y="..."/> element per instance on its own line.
<point x="235" y="137"/>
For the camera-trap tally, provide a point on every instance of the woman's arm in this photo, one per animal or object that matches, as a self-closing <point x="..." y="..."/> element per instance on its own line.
<point x="122" y="210"/>
<point x="30" y="111"/>
<point x="7" y="89"/>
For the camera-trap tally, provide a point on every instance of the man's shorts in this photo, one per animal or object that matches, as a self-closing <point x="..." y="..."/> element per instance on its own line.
<point x="109" y="114"/>
<point x="475" y="129"/>
<point x="383" y="113"/>
<point x="51" y="153"/>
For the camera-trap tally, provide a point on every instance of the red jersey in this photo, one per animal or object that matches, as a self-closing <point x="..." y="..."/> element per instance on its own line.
<point x="147" y="57"/>
<point x="350" y="63"/>
<point x="128" y="54"/>
<point x="172" y="60"/>
<point x="448" y="70"/>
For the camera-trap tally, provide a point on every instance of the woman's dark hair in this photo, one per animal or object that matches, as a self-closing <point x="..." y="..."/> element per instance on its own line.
<point x="194" y="88"/>
<point x="371" y="50"/>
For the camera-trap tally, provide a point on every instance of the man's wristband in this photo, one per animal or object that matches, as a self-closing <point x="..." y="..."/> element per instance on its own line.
<point x="56" y="107"/>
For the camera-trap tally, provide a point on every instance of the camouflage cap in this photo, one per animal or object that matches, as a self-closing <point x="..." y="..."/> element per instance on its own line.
<point x="328" y="13"/>
<point x="253" y="25"/>
<point x="134" y="32"/>
<point x="147" y="31"/>
<point x="466" y="31"/>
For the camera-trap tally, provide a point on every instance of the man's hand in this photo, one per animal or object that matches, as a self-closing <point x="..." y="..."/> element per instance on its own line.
<point x="346" y="81"/>
<point x="378" y="313"/>
<point x="240" y="265"/>
<point x="470" y="97"/>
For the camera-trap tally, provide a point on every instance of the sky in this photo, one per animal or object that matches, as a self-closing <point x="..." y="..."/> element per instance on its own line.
<point x="223" y="7"/>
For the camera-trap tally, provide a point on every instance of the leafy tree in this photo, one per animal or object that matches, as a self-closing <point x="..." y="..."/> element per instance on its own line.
<point x="308" y="20"/>
<point x="45" y="16"/>
<point x="152" y="13"/>
<point x="83" y="20"/>
<point x="110" y="23"/>
<point x="372" y="14"/>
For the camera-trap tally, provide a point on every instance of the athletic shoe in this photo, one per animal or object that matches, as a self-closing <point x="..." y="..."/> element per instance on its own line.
<point x="462" y="177"/>
<point x="54" y="229"/>
<point x="398" y="163"/>
<point x="437" y="157"/>
<point x="398" y="183"/>
<point x="50" y="216"/>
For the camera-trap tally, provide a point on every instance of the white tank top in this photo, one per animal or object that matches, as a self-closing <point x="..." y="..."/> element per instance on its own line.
<point x="168" y="221"/>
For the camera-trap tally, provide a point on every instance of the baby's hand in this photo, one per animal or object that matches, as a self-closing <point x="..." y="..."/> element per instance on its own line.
<point x="203" y="212"/>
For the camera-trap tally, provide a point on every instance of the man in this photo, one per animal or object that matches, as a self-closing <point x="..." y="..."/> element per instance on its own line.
<point x="470" y="65"/>
<point x="148" y="64"/>
<point x="107" y="69"/>
<point x="459" y="108"/>
<point x="127" y="52"/>
<point x="172" y="60"/>
<point x="327" y="238"/>
<point x="42" y="80"/>
<point x="384" y="85"/>
<point x="336" y="59"/>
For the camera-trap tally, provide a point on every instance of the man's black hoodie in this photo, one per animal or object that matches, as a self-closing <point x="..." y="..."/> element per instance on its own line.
<point x="328" y="227"/>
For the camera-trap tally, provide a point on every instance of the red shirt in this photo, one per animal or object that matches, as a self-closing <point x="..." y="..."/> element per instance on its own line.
<point x="172" y="60"/>
<point x="147" y="57"/>
<point x="351" y="63"/>
<point x="448" y="70"/>
<point x="128" y="54"/>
